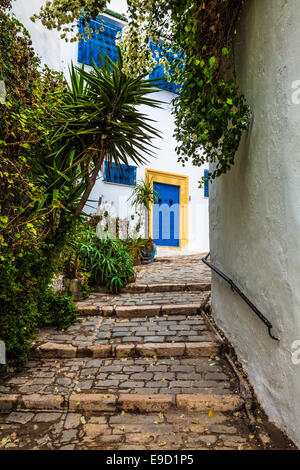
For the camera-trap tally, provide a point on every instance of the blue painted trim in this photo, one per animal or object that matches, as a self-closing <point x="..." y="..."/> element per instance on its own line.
<point x="159" y="74"/>
<point x="166" y="215"/>
<point x="206" y="183"/>
<point x="105" y="43"/>
<point x="122" y="174"/>
<point x="102" y="43"/>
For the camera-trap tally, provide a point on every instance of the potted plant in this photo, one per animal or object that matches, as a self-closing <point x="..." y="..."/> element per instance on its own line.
<point x="143" y="195"/>
<point x="149" y="251"/>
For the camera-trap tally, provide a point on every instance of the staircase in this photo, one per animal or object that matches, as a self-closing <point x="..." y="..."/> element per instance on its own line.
<point x="142" y="370"/>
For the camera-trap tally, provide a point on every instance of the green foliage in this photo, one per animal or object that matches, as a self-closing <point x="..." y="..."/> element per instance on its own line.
<point x="98" y="118"/>
<point x="24" y="121"/>
<point x="62" y="14"/>
<point x="5" y="4"/>
<point x="210" y="111"/>
<point x="53" y="140"/>
<point x="107" y="261"/>
<point x="26" y="302"/>
<point x="28" y="250"/>
<point x="136" y="247"/>
<point x="57" y="310"/>
<point x="210" y="116"/>
<point x="143" y="194"/>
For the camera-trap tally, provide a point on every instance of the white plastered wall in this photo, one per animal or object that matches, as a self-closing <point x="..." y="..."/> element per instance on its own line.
<point x="255" y="212"/>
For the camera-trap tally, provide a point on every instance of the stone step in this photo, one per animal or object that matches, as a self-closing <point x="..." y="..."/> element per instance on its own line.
<point x="138" y="287"/>
<point x="50" y="384"/>
<point x="144" y="403"/>
<point x="105" y="337"/>
<point x="128" y="305"/>
<point x="168" y="287"/>
<point x="59" y="351"/>
<point x="141" y="311"/>
<point x="81" y="430"/>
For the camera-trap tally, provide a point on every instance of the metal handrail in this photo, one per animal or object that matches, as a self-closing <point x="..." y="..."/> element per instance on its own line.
<point x="235" y="288"/>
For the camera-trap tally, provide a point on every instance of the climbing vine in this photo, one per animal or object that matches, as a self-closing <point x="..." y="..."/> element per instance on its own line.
<point x="63" y="15"/>
<point x="195" y="39"/>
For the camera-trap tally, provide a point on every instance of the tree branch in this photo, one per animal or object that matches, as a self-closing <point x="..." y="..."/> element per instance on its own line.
<point x="91" y="183"/>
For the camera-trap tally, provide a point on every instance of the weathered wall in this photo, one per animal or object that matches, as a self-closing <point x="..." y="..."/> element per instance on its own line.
<point x="58" y="54"/>
<point x="255" y="211"/>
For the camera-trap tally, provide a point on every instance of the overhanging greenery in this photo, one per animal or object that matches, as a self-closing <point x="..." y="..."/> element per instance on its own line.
<point x="210" y="112"/>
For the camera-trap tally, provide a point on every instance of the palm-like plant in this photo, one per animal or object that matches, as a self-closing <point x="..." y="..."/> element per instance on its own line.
<point x="100" y="119"/>
<point x="144" y="195"/>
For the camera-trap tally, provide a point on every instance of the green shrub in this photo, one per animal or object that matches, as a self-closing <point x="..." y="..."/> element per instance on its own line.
<point x="57" y="310"/>
<point x="136" y="247"/>
<point x="108" y="262"/>
<point x="26" y="301"/>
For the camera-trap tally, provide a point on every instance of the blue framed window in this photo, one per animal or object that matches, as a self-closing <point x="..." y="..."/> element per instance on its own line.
<point x="159" y="72"/>
<point x="206" y="183"/>
<point x="122" y="174"/>
<point x="102" y="43"/>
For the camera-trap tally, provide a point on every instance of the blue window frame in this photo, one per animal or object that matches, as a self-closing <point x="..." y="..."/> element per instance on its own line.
<point x="122" y="174"/>
<point x="105" y="43"/>
<point x="159" y="73"/>
<point x="102" y="43"/>
<point x="206" y="183"/>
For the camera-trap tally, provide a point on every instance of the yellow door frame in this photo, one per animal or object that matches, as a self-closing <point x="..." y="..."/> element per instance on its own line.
<point x="157" y="176"/>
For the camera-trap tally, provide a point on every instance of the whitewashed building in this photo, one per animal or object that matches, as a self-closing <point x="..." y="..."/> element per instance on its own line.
<point x="255" y="213"/>
<point x="179" y="221"/>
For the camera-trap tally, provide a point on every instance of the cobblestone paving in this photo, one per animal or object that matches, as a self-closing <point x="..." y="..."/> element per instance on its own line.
<point x="146" y="298"/>
<point x="189" y="269"/>
<point x="170" y="430"/>
<point x="125" y="375"/>
<point x="49" y="383"/>
<point x="97" y="330"/>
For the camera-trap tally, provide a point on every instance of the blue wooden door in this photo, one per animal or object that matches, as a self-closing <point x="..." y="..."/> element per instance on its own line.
<point x="166" y="215"/>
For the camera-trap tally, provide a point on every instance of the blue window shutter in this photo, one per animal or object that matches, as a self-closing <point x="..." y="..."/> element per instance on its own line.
<point x="122" y="174"/>
<point x="105" y="43"/>
<point x="102" y="43"/>
<point x="206" y="183"/>
<point x="159" y="73"/>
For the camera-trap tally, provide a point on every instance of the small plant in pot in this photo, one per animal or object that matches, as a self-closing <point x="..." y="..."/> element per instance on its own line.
<point x="149" y="251"/>
<point x="143" y="196"/>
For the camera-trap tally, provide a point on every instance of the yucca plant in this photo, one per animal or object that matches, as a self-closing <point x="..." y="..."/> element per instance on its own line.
<point x="99" y="119"/>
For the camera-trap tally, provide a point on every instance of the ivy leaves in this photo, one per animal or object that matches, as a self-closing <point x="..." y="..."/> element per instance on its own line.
<point x="210" y="116"/>
<point x="210" y="112"/>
